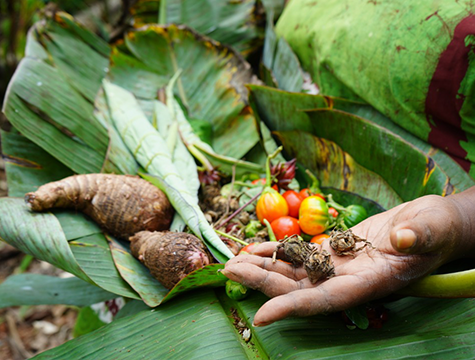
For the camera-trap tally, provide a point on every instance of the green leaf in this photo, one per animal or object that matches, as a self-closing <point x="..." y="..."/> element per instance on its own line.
<point x="336" y="168"/>
<point x="280" y="61"/>
<point x="458" y="177"/>
<point x="76" y="225"/>
<point x="208" y="276"/>
<point x="234" y="23"/>
<point x="358" y="316"/>
<point x="94" y="256"/>
<point x="194" y="326"/>
<point x="37" y="289"/>
<point x="417" y="173"/>
<point x="24" y="230"/>
<point x="27" y="165"/>
<point x="137" y="275"/>
<point x="424" y="328"/>
<point x="211" y="86"/>
<point x="86" y="322"/>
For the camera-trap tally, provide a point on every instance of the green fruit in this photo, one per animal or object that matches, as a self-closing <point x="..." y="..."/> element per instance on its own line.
<point x="354" y="214"/>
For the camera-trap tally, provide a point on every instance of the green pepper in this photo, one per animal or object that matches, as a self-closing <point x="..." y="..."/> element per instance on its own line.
<point x="354" y="214"/>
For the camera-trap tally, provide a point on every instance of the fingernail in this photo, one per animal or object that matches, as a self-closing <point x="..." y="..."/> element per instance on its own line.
<point x="406" y="239"/>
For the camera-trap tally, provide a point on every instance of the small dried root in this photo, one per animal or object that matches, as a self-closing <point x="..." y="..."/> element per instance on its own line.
<point x="317" y="263"/>
<point x="121" y="204"/>
<point x="344" y="242"/>
<point x="169" y="256"/>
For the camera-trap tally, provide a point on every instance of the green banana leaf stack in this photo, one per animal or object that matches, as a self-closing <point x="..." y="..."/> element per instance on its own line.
<point x="80" y="105"/>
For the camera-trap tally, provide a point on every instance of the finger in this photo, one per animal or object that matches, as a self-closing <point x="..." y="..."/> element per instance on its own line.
<point x="266" y="263"/>
<point x="269" y="282"/>
<point x="265" y="249"/>
<point x="428" y="231"/>
<point x="336" y="294"/>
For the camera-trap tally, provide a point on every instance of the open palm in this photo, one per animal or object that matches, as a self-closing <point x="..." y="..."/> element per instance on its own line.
<point x="370" y="274"/>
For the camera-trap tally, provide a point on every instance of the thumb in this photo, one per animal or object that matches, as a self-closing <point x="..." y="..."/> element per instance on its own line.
<point x="427" y="232"/>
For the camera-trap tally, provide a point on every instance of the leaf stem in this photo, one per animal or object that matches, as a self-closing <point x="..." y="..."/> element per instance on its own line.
<point x="269" y="158"/>
<point x="242" y="242"/>
<point x="200" y="157"/>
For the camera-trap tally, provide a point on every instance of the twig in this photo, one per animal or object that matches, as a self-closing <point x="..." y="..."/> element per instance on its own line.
<point x="16" y="342"/>
<point x="234" y="214"/>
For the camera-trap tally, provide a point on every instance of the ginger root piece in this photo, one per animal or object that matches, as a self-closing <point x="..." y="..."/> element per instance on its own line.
<point x="169" y="256"/>
<point x="121" y="204"/>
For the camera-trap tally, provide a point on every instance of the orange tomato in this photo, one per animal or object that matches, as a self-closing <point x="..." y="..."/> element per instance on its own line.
<point x="313" y="215"/>
<point x="271" y="205"/>
<point x="285" y="226"/>
<point x="318" y="239"/>
<point x="293" y="200"/>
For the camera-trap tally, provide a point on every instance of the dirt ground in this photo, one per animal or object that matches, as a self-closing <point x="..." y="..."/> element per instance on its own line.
<point x="28" y="330"/>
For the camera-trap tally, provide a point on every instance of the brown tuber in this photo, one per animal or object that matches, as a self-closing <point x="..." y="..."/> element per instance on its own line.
<point x="169" y="256"/>
<point x="121" y="204"/>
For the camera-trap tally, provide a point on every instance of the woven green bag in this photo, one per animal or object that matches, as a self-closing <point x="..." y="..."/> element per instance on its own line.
<point x="414" y="61"/>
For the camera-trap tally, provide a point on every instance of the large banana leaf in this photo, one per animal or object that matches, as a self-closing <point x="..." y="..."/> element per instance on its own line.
<point x="211" y="86"/>
<point x="37" y="289"/>
<point x="417" y="328"/>
<point x="234" y="23"/>
<point x="374" y="147"/>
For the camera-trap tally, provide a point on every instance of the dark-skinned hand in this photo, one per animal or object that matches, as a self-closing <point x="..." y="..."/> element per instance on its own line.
<point x="410" y="241"/>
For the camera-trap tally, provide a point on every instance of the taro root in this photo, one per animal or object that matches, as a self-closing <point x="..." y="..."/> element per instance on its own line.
<point x="319" y="265"/>
<point x="121" y="204"/>
<point x="344" y="242"/>
<point x="169" y="256"/>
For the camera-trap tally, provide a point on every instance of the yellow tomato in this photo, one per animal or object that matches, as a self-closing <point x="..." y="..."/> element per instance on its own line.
<point x="313" y="215"/>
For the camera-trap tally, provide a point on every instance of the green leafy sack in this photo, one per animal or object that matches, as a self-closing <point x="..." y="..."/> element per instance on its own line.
<point x="413" y="61"/>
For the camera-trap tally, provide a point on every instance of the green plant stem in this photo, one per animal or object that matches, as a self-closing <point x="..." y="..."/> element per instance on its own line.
<point x="270" y="231"/>
<point x="333" y="204"/>
<point x="269" y="158"/>
<point x="162" y="13"/>
<point x="315" y="186"/>
<point x="200" y="157"/>
<point x="222" y="233"/>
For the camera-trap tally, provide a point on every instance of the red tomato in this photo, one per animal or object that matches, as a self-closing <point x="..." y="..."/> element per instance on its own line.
<point x="333" y="212"/>
<point x="248" y="248"/>
<point x="318" y="239"/>
<point x="294" y="200"/>
<point x="271" y="205"/>
<point x="305" y="193"/>
<point x="285" y="226"/>
<point x="262" y="181"/>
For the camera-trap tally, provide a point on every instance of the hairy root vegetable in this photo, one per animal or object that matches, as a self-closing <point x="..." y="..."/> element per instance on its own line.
<point x="344" y="242"/>
<point x="121" y="204"/>
<point x="169" y="256"/>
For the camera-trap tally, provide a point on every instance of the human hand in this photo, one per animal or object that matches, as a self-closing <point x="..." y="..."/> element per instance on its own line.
<point x="410" y="241"/>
